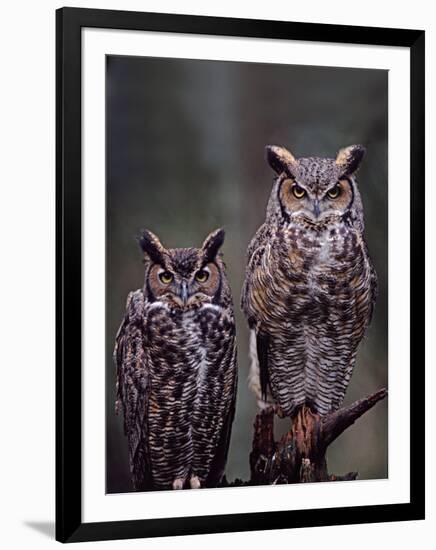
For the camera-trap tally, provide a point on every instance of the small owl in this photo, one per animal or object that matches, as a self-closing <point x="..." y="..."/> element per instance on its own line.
<point x="310" y="285"/>
<point x="175" y="355"/>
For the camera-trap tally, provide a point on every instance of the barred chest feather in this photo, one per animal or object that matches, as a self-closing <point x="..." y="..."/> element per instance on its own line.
<point x="310" y="286"/>
<point x="314" y="299"/>
<point x="191" y="377"/>
<point x="319" y="273"/>
<point x="174" y="335"/>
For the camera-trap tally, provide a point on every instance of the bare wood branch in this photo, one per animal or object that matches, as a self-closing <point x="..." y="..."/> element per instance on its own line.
<point x="299" y="457"/>
<point x="336" y="423"/>
<point x="264" y="446"/>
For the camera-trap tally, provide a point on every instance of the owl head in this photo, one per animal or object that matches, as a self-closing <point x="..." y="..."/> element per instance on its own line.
<point x="184" y="278"/>
<point x="315" y="190"/>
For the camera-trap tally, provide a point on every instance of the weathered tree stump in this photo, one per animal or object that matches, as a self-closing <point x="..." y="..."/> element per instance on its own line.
<point x="300" y="455"/>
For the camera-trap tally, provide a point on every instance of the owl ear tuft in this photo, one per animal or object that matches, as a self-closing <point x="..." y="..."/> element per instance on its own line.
<point x="350" y="158"/>
<point x="212" y="244"/>
<point x="280" y="159"/>
<point x="151" y="246"/>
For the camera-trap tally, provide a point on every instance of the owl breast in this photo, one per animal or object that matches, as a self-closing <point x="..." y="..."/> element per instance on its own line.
<point x="314" y="300"/>
<point x="191" y="372"/>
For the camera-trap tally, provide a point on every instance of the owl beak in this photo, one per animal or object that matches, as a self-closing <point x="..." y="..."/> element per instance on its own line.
<point x="184" y="292"/>
<point x="316" y="209"/>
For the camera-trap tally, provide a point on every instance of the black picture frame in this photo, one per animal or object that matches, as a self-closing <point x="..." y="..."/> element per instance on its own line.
<point x="69" y="525"/>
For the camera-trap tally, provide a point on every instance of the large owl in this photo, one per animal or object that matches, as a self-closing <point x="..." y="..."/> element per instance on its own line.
<point x="310" y="285"/>
<point x="175" y="355"/>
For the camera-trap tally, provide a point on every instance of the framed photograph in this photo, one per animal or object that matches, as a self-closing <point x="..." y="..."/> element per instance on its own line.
<point x="240" y="236"/>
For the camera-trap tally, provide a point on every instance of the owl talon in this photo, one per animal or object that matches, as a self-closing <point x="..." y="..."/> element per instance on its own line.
<point x="178" y="483"/>
<point x="195" y="482"/>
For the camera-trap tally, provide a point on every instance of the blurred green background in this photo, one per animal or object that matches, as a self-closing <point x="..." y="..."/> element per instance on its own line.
<point x="185" y="155"/>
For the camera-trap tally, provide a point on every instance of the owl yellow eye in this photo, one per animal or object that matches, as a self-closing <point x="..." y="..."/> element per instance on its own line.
<point x="202" y="276"/>
<point x="298" y="191"/>
<point x="334" y="192"/>
<point x="166" y="277"/>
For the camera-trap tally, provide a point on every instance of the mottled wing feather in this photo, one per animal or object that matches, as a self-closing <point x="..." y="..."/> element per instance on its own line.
<point x="259" y="239"/>
<point x="218" y="465"/>
<point x="255" y="254"/>
<point x="133" y="387"/>
<point x="373" y="285"/>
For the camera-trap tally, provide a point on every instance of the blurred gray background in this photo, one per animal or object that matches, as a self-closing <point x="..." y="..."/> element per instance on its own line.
<point x="185" y="155"/>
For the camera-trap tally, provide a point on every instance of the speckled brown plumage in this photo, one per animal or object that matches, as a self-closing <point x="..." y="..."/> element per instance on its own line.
<point x="176" y="368"/>
<point x="310" y="286"/>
